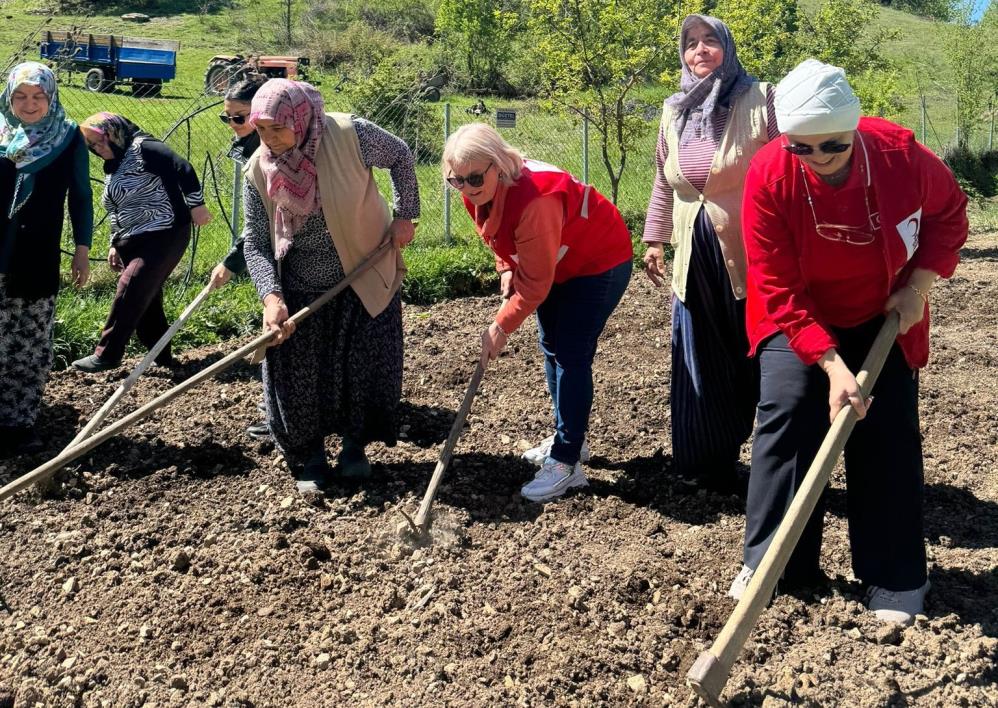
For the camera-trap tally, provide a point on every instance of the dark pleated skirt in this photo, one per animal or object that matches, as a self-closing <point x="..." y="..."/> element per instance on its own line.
<point x="715" y="385"/>
<point x="340" y="373"/>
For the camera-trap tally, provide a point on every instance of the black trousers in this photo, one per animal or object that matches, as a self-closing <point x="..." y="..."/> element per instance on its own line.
<point x="883" y="460"/>
<point x="149" y="259"/>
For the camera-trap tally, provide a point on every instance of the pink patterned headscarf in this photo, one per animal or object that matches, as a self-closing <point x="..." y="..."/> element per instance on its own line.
<point x="291" y="176"/>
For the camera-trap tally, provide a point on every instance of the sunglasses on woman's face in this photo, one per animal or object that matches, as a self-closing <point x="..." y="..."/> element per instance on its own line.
<point x="475" y="179"/>
<point x="829" y="147"/>
<point x="237" y="120"/>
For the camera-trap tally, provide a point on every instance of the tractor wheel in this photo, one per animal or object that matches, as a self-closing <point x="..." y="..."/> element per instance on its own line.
<point x="216" y="78"/>
<point x="94" y="81"/>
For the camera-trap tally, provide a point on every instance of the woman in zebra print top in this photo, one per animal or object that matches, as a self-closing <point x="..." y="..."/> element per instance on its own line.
<point x="152" y="196"/>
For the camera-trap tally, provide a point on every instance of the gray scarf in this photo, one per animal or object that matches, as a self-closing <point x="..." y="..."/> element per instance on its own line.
<point x="713" y="94"/>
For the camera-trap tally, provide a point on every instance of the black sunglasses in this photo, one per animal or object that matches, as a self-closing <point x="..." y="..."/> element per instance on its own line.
<point x="237" y="120"/>
<point x="475" y="179"/>
<point x="829" y="147"/>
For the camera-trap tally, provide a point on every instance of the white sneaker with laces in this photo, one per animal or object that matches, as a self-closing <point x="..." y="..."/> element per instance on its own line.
<point x="740" y="583"/>
<point x="899" y="606"/>
<point x="537" y="455"/>
<point x="554" y="479"/>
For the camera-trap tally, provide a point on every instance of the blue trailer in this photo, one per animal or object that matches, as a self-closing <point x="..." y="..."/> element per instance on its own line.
<point x="110" y="59"/>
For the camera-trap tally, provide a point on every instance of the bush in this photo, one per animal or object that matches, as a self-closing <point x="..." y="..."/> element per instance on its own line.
<point x="440" y="272"/>
<point x="357" y="50"/>
<point x="408" y="20"/>
<point x="975" y="170"/>
<point x="393" y="97"/>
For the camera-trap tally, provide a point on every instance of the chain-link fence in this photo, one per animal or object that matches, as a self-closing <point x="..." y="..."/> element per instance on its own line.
<point x="187" y="119"/>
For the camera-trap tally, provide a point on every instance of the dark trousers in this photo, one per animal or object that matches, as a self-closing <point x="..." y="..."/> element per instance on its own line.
<point x="715" y="385"/>
<point x="883" y="460"/>
<point x="569" y="323"/>
<point x="149" y="259"/>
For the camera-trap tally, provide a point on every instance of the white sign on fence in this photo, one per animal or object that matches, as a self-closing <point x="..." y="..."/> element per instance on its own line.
<point x="505" y="118"/>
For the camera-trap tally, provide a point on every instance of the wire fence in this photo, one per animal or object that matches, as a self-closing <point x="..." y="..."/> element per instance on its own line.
<point x="187" y="119"/>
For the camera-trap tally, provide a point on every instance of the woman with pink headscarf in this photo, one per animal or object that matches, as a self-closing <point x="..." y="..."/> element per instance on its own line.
<point x="313" y="212"/>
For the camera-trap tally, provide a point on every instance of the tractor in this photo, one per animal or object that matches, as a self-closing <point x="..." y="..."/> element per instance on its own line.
<point x="225" y="70"/>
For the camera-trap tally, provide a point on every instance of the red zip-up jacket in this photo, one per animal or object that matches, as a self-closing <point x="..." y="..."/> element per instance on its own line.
<point x="548" y="228"/>
<point x="803" y="284"/>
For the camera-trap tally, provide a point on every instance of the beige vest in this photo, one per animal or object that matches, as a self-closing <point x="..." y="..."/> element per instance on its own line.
<point x="743" y="135"/>
<point x="356" y="214"/>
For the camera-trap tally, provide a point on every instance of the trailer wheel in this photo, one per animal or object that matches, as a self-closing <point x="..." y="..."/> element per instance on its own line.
<point x="94" y="81"/>
<point x="216" y="78"/>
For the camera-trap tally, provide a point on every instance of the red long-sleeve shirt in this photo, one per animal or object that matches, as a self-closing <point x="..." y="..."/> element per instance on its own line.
<point x="803" y="284"/>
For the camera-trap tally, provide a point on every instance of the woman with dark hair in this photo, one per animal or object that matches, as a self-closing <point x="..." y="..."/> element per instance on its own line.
<point x="237" y="104"/>
<point x="151" y="195"/>
<point x="43" y="163"/>
<point x="313" y="212"/>
<point x="710" y="130"/>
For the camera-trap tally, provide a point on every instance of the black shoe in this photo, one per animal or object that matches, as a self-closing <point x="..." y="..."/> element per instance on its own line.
<point x="313" y="477"/>
<point x="259" y="431"/>
<point x="353" y="462"/>
<point x="94" y="364"/>
<point x="167" y="362"/>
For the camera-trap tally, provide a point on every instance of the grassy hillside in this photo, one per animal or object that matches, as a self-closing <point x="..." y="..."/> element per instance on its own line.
<point x="435" y="270"/>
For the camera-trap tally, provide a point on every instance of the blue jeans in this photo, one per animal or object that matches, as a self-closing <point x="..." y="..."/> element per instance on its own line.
<point x="569" y="323"/>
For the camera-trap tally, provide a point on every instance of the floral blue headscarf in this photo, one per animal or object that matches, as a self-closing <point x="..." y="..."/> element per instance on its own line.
<point x="714" y="92"/>
<point x="32" y="147"/>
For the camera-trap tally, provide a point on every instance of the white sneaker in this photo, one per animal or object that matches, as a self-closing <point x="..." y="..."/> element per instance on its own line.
<point x="896" y="606"/>
<point x="537" y="455"/>
<point x="740" y="583"/>
<point x="552" y="480"/>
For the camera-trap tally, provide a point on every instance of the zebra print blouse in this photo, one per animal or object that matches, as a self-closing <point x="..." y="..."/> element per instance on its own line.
<point x="153" y="189"/>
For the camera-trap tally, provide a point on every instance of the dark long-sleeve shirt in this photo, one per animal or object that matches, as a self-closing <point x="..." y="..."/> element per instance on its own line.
<point x="152" y="189"/>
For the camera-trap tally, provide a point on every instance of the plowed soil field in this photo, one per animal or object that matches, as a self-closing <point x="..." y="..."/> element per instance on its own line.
<point x="175" y="564"/>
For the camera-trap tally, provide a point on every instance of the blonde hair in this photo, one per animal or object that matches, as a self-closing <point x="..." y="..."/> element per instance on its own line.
<point x="480" y="141"/>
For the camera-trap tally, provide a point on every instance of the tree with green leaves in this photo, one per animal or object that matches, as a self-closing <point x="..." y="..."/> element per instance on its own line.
<point x="484" y="32"/>
<point x="767" y="50"/>
<point x="845" y="33"/>
<point x="595" y="52"/>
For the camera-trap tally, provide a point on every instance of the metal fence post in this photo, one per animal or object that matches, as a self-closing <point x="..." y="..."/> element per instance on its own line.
<point x="923" y="118"/>
<point x="237" y="193"/>
<point x="585" y="150"/>
<point x="447" y="235"/>
<point x="991" y="132"/>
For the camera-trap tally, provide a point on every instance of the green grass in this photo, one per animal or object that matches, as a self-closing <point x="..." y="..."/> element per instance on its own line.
<point x="440" y="264"/>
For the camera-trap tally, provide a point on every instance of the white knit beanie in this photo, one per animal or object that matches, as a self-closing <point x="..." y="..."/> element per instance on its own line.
<point x="816" y="99"/>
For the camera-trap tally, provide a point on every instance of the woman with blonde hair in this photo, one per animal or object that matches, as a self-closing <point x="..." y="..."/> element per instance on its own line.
<point x="563" y="252"/>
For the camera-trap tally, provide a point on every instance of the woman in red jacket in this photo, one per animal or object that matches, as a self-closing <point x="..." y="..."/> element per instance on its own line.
<point x="562" y="251"/>
<point x="844" y="219"/>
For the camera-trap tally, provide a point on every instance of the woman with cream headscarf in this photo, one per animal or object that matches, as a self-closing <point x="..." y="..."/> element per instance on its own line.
<point x="44" y="161"/>
<point x="710" y="130"/>
<point x="845" y="218"/>
<point x="313" y="211"/>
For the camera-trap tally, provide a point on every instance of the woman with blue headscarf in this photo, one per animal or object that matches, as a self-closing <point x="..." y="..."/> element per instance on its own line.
<point x="710" y="130"/>
<point x="43" y="161"/>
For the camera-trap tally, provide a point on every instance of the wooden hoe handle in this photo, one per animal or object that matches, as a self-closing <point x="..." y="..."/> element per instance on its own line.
<point x="709" y="673"/>
<point x="423" y="516"/>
